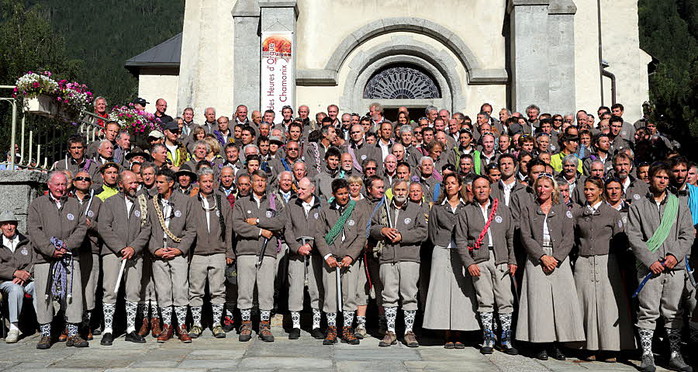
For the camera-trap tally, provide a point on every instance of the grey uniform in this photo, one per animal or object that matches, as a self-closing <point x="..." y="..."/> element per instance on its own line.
<point x="249" y="247"/>
<point x="662" y="294"/>
<point x="89" y="252"/>
<point x="66" y="222"/>
<point x="300" y="223"/>
<point x="493" y="286"/>
<point x="171" y="275"/>
<point x="399" y="262"/>
<point x="121" y="226"/>
<point x="349" y="242"/>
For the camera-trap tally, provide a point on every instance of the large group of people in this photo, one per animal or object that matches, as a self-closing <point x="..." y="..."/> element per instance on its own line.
<point x="552" y="230"/>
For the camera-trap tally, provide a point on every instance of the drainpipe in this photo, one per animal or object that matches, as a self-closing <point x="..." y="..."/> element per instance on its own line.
<point x="601" y="61"/>
<point x="613" y="83"/>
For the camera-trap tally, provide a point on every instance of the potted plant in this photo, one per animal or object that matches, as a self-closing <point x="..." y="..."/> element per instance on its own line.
<point x="39" y="91"/>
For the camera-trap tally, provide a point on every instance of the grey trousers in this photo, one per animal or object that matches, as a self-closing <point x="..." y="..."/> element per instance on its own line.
<point x="171" y="281"/>
<point x="43" y="303"/>
<point x="89" y="268"/>
<point x="400" y="280"/>
<point x="201" y="269"/>
<point x="349" y="277"/>
<point x="493" y="287"/>
<point x="296" y="281"/>
<point x="250" y="277"/>
<point x="661" y="296"/>
<point x="15" y="297"/>
<point x="147" y="284"/>
<point x="130" y="280"/>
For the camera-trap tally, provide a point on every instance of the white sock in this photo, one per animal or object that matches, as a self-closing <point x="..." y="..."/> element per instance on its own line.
<point x="13" y="326"/>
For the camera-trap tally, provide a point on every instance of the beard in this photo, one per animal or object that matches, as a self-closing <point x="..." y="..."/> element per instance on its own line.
<point x="400" y="199"/>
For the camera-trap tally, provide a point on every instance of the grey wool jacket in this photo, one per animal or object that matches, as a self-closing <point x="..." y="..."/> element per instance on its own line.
<point x="468" y="227"/>
<point x="411" y="222"/>
<point x="248" y="237"/>
<point x="45" y="221"/>
<point x="560" y="227"/>
<point x="120" y="230"/>
<point x="182" y="224"/>
<point x="354" y="231"/>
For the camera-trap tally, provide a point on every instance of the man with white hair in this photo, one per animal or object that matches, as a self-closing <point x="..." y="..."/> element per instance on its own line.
<point x="56" y="230"/>
<point x="430" y="185"/>
<point x="15" y="271"/>
<point x="210" y="124"/>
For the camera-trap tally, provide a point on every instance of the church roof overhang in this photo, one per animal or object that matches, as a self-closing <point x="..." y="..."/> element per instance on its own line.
<point x="163" y="57"/>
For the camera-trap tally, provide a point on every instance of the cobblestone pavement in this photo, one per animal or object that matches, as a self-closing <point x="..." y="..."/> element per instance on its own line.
<point x="207" y="354"/>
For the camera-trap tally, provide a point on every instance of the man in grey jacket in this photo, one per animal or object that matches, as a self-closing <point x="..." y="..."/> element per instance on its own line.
<point x="56" y="230"/>
<point x="173" y="232"/>
<point x="400" y="227"/>
<point x="660" y="233"/>
<point x="125" y="233"/>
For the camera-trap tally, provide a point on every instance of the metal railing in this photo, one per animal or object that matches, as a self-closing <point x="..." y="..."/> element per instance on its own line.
<point x="38" y="150"/>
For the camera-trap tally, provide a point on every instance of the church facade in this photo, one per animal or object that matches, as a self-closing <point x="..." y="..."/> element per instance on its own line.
<point x="562" y="55"/>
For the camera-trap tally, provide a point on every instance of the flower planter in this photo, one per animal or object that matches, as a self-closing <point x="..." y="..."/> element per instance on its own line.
<point x="42" y="105"/>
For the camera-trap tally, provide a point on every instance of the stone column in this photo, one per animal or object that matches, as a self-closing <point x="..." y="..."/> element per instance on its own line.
<point x="561" y="56"/>
<point x="18" y="189"/>
<point x="529" y="53"/>
<point x="247" y="51"/>
<point x="280" y="15"/>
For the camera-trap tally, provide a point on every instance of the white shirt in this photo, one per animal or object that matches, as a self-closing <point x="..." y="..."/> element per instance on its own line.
<point x="308" y="206"/>
<point x="129" y="206"/>
<point x="546" y="232"/>
<point x="626" y="184"/>
<point x="507" y="190"/>
<point x="204" y="204"/>
<point x="11" y="243"/>
<point x="485" y="214"/>
<point x="385" y="148"/>
<point x="58" y="202"/>
<point x="595" y="207"/>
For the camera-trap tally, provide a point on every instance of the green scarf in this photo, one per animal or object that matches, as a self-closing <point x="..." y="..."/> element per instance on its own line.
<point x="668" y="219"/>
<point x="337" y="228"/>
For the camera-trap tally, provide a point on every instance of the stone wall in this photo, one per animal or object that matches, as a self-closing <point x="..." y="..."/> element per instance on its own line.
<point x="18" y="189"/>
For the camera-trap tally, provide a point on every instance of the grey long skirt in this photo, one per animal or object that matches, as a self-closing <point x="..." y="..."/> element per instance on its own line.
<point x="549" y="308"/>
<point x="451" y="301"/>
<point x="604" y="305"/>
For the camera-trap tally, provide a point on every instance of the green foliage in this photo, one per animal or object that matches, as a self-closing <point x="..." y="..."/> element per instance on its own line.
<point x="669" y="32"/>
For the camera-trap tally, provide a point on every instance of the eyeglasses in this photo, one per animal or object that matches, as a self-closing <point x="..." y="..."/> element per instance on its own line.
<point x="557" y="119"/>
<point x="292" y="149"/>
<point x="86" y="179"/>
<point x="371" y="168"/>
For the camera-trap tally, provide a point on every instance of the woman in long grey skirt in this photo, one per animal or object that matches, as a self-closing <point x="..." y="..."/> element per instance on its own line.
<point x="604" y="304"/>
<point x="451" y="301"/>
<point x="549" y="311"/>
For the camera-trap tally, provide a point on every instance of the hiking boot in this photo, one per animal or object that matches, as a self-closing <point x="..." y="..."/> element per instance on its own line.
<point x="360" y="332"/>
<point x="505" y="345"/>
<point x="165" y="333"/>
<point x="294" y="334"/>
<point x="218" y="331"/>
<point x="228" y="323"/>
<point x="411" y="339"/>
<point x="76" y="341"/>
<point x="195" y="331"/>
<point x="265" y="331"/>
<point x="331" y="336"/>
<point x="135" y="338"/>
<point x="677" y="364"/>
<point x="317" y="334"/>
<point x="246" y="331"/>
<point x="183" y="334"/>
<point x="44" y="343"/>
<point x="64" y="335"/>
<point x="155" y="329"/>
<point x="145" y="328"/>
<point x="388" y="339"/>
<point x="647" y="364"/>
<point x="348" y="336"/>
<point x="487" y="342"/>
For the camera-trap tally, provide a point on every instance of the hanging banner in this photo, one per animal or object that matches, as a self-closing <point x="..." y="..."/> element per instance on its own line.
<point x="277" y="71"/>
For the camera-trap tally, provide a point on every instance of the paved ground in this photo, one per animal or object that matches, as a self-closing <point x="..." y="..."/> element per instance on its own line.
<point x="207" y="354"/>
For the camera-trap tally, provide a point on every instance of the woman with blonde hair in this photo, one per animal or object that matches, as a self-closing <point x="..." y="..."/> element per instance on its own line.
<point x="549" y="311"/>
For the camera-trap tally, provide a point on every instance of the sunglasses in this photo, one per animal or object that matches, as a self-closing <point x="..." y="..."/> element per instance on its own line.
<point x="545" y="175"/>
<point x="86" y="179"/>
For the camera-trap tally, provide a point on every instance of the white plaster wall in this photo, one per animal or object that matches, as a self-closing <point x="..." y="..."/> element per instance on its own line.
<point x="478" y="23"/>
<point x="207" y="57"/>
<point x="152" y="87"/>
<point x="586" y="38"/>
<point x="621" y="48"/>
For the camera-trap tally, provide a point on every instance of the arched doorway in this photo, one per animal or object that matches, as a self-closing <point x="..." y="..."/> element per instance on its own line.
<point x="398" y="85"/>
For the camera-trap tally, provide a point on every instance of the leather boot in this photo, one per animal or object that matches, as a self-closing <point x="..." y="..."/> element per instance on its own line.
<point x="155" y="327"/>
<point x="64" y="335"/>
<point x="165" y="333"/>
<point x="184" y="334"/>
<point x="145" y="328"/>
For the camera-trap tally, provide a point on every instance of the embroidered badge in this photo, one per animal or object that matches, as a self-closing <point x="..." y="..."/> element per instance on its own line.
<point x="24" y="252"/>
<point x="90" y="214"/>
<point x="70" y="217"/>
<point x="620" y="224"/>
<point x="218" y="213"/>
<point x="137" y="214"/>
<point x="636" y="196"/>
<point x="625" y="219"/>
<point x="316" y="215"/>
<point x="249" y="211"/>
<point x="568" y="214"/>
<point x="408" y="220"/>
<point x="270" y="214"/>
<point x="363" y="157"/>
<point x="178" y="213"/>
<point x="498" y="219"/>
<point x="351" y="223"/>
